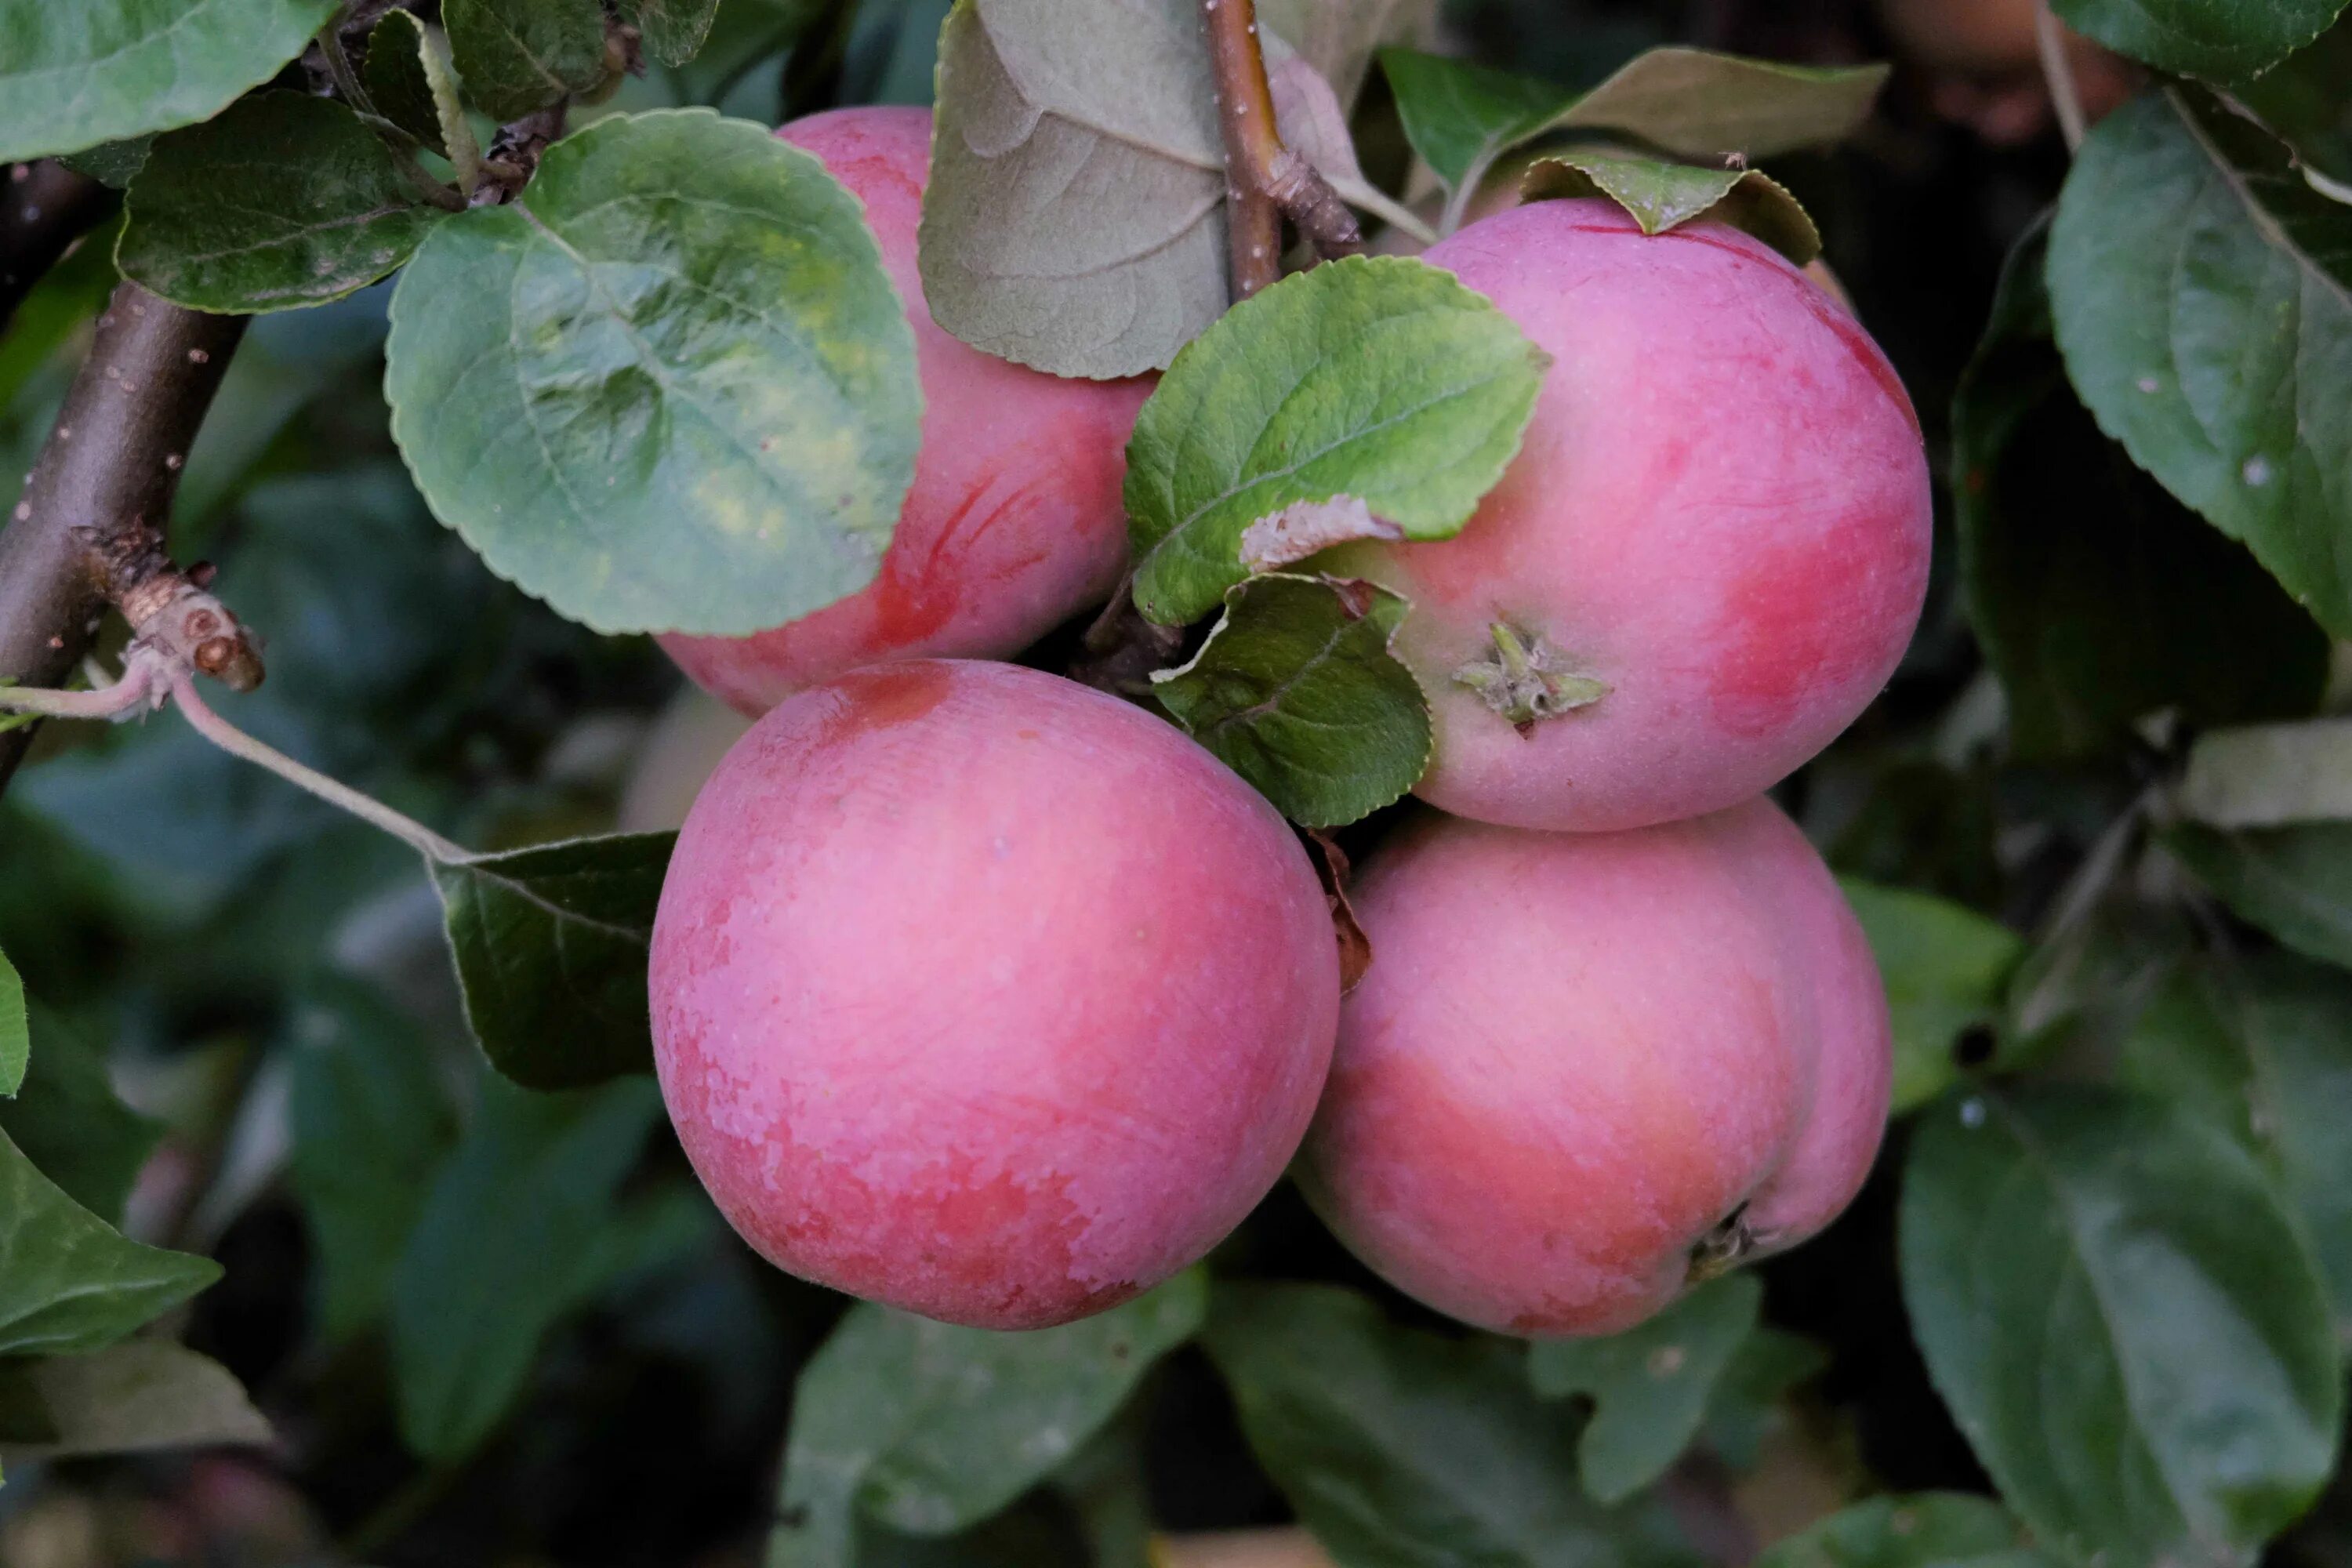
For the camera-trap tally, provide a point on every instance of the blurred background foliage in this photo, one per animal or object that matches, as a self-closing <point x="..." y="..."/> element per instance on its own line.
<point x="268" y="986"/>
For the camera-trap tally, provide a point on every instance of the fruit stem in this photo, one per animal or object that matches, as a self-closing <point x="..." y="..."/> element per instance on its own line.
<point x="368" y="809"/>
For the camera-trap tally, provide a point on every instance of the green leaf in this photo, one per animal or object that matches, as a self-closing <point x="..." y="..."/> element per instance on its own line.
<point x="2293" y="882"/>
<point x="69" y="1281"/>
<point x="132" y="1397"/>
<point x="669" y="388"/>
<point x="517" y="56"/>
<point x="1924" y="1529"/>
<point x="1075" y="218"/>
<point x="1747" y="1398"/>
<point x="1662" y="196"/>
<point x="2202" y="295"/>
<point x="2268" y="775"/>
<point x="1461" y="117"/>
<point x="111" y="163"/>
<point x="550" y="945"/>
<point x="2099" y="598"/>
<point x="2217" y="38"/>
<point x="1693" y="104"/>
<point x="371" y="1123"/>
<point x="16" y="1030"/>
<point x="78" y="74"/>
<point x="1696" y="103"/>
<point x="672" y="30"/>
<point x="1297" y="691"/>
<point x="1408" y="1449"/>
<point x="518" y="1229"/>
<point x="1650" y="1384"/>
<point x="338" y="214"/>
<point x="927" y="1428"/>
<point x="69" y="1122"/>
<point x="2260" y="1047"/>
<point x="1382" y="378"/>
<point x="403" y="58"/>
<point x="1947" y="968"/>
<point x="2091" y="1273"/>
<point x="2302" y="101"/>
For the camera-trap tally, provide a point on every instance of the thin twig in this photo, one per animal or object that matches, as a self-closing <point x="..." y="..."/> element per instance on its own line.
<point x="1264" y="179"/>
<point x="368" y="809"/>
<point x="2058" y="71"/>
<point x="89" y="526"/>
<point x="1246" y="115"/>
<point x="142" y="685"/>
<point x="43" y="208"/>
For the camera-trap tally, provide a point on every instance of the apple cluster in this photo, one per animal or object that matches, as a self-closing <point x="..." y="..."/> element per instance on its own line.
<point x="994" y="997"/>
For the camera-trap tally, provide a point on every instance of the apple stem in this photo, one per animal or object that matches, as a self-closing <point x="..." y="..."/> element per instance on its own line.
<point x="368" y="809"/>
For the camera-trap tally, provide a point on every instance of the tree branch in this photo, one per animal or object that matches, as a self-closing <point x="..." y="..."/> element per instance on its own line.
<point x="43" y="208"/>
<point x="89" y="526"/>
<point x="1264" y="179"/>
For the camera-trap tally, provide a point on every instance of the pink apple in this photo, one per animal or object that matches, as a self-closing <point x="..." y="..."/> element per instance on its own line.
<point x="1709" y="554"/>
<point x="984" y="994"/>
<point x="1583" y="1065"/>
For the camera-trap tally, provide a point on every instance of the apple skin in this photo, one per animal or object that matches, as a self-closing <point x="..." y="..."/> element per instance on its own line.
<point x="1721" y="511"/>
<point x="1577" y="1055"/>
<point x="982" y="994"/>
<point x="1014" y="521"/>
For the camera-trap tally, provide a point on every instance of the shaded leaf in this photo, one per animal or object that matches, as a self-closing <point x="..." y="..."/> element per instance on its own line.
<point x="2268" y="775"/>
<point x="1697" y="103"/>
<point x="1380" y="377"/>
<point x="2091" y="1273"/>
<point x="1461" y="117"/>
<point x="15" y="1031"/>
<point x="1074" y="219"/>
<point x="517" y="1230"/>
<point x="1747" y="1402"/>
<point x="69" y="1122"/>
<point x="2220" y="38"/>
<point x="669" y="388"/>
<point x="2303" y="101"/>
<point x="102" y="70"/>
<point x="1662" y="196"/>
<point x="2202" y="295"/>
<point x="283" y="200"/>
<point x="1693" y="104"/>
<point x="1945" y="1529"/>
<point x="2099" y="598"/>
<point x="371" y="1123"/>
<point x="111" y="163"/>
<point x="1297" y="691"/>
<point x="401" y="55"/>
<point x="1651" y="1385"/>
<point x="517" y="56"/>
<point x="2260" y="1047"/>
<point x="69" y="1281"/>
<point x="1947" y="968"/>
<point x="1408" y="1449"/>
<point x="2293" y="882"/>
<point x="550" y="943"/>
<point x="672" y="30"/>
<point x="132" y="1397"/>
<point x="1339" y="38"/>
<point x="927" y="1428"/>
